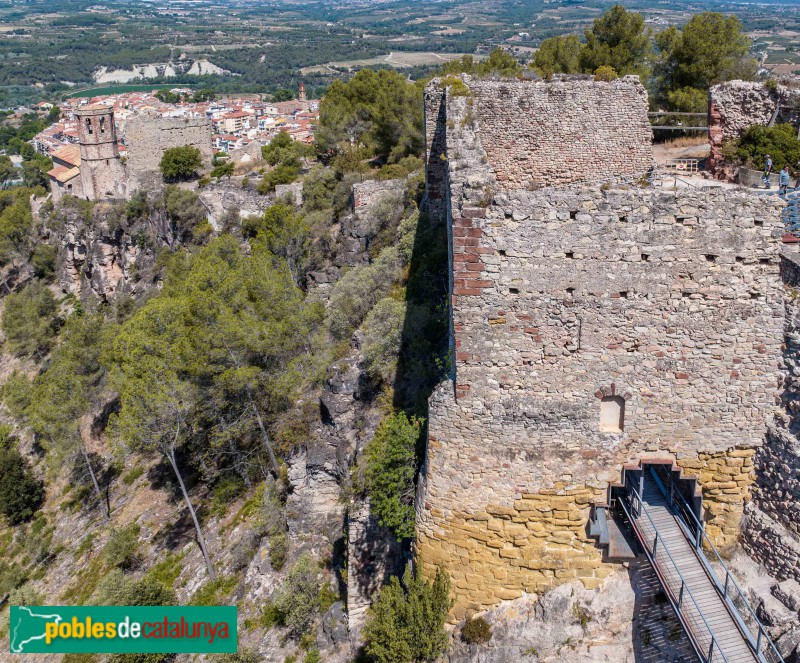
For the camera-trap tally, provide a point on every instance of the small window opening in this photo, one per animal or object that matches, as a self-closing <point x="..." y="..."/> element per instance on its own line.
<point x="573" y="215"/>
<point x="612" y="414"/>
<point x="102" y="125"/>
<point x="514" y="291"/>
<point x="710" y="257"/>
<point x="755" y="295"/>
<point x="764" y="261"/>
<point x="623" y="219"/>
<point x="623" y="294"/>
<point x="645" y="257"/>
<point x="739" y="259"/>
<point x="107" y="162"/>
<point x="758" y="222"/>
<point x="570" y="290"/>
<point x="570" y="255"/>
<point x="502" y="252"/>
<point x="89" y="125"/>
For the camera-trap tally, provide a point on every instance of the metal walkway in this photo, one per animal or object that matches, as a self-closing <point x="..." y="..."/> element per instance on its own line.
<point x="714" y="612"/>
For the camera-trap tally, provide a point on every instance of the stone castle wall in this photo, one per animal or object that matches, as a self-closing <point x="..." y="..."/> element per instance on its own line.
<point x="670" y="300"/>
<point x="539" y="133"/>
<point x="737" y="105"/>
<point x="772" y="526"/>
<point x="149" y="136"/>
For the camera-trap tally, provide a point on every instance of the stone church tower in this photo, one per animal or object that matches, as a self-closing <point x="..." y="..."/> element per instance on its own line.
<point x="102" y="172"/>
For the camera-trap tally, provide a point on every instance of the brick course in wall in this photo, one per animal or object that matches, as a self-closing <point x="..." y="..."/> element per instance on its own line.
<point x="672" y="300"/>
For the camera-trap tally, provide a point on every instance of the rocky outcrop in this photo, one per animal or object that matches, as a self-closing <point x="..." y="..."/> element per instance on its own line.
<point x="99" y="257"/>
<point x="626" y="620"/>
<point x="229" y="195"/>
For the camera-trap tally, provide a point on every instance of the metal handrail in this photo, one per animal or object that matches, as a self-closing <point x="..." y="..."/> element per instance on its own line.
<point x="701" y="535"/>
<point x="684" y="590"/>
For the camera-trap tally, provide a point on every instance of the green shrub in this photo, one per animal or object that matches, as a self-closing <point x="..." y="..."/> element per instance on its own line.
<point x="383" y="329"/>
<point x="43" y="261"/>
<point x="242" y="656"/>
<point x="115" y="588"/>
<point x="284" y="151"/>
<point x="271" y="616"/>
<point x="390" y="465"/>
<point x="225" y="492"/>
<point x="605" y="73"/>
<point x="406" y="622"/>
<point x="29" y="320"/>
<point x="131" y="475"/>
<point x="359" y="290"/>
<point x="278" y="550"/>
<point x="298" y="597"/>
<point x="167" y="570"/>
<point x="21" y="493"/>
<point x="121" y="550"/>
<point x="779" y="141"/>
<point x="214" y="592"/>
<point x="313" y="656"/>
<point x="7" y="439"/>
<point x="184" y="208"/>
<point x="278" y="175"/>
<point x="180" y="163"/>
<point x="476" y="631"/>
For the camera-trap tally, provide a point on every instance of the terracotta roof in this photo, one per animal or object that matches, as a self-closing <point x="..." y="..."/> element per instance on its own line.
<point x="70" y="154"/>
<point x="63" y="174"/>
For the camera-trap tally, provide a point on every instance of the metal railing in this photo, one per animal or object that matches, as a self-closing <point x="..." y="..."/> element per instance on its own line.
<point x="733" y="595"/>
<point x="679" y="595"/>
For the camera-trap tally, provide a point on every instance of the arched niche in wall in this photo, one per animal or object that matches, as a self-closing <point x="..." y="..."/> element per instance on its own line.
<point x="612" y="408"/>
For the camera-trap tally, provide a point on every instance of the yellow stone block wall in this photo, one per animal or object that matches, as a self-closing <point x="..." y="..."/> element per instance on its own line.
<point x="539" y="541"/>
<point x="503" y="551"/>
<point x="726" y="479"/>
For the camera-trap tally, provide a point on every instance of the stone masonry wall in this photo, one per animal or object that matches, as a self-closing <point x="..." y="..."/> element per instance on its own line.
<point x="538" y="133"/>
<point x="737" y="105"/>
<point x="147" y="138"/>
<point x="670" y="300"/>
<point x="772" y="527"/>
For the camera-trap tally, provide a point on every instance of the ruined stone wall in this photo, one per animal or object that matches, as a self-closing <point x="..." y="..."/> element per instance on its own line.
<point x="772" y="528"/>
<point x="366" y="193"/>
<point x="539" y="133"/>
<point x="147" y="138"/>
<point x="671" y="301"/>
<point x="737" y="105"/>
<point x="435" y="201"/>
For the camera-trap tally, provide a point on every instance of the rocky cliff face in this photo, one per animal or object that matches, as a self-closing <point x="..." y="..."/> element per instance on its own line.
<point x="98" y="256"/>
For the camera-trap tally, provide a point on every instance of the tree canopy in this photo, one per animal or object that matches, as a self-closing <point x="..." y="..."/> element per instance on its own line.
<point x="180" y="163"/>
<point x="617" y="39"/>
<point x="559" y="54"/>
<point x="377" y="110"/>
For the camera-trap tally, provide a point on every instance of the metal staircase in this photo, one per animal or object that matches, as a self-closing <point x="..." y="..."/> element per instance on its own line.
<point x="663" y="511"/>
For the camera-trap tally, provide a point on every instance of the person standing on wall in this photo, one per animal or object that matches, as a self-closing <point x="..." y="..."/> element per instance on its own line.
<point x="783" y="180"/>
<point x="767" y="172"/>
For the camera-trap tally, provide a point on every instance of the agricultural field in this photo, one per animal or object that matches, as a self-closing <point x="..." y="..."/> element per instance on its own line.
<point x="48" y="48"/>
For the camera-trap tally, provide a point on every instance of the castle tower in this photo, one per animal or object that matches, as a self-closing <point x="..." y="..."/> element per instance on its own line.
<point x="302" y="95"/>
<point x="102" y="172"/>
